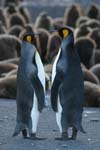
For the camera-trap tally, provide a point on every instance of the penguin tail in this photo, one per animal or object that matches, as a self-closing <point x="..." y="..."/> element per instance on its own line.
<point x="80" y="128"/>
<point x="19" y="127"/>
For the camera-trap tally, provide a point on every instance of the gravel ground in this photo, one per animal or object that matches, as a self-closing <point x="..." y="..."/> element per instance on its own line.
<point x="47" y="128"/>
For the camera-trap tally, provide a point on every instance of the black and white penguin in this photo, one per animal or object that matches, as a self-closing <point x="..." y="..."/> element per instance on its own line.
<point x="30" y="89"/>
<point x="67" y="91"/>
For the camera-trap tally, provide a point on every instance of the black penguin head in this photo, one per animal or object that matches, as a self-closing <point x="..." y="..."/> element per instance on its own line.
<point x="28" y="37"/>
<point x="64" y="32"/>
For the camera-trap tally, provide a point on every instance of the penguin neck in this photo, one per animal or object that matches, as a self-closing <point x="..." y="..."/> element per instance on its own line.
<point x="68" y="51"/>
<point x="68" y="45"/>
<point x="28" y="51"/>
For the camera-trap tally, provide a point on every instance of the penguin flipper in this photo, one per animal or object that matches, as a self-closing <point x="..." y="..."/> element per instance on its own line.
<point x="39" y="91"/>
<point x="55" y="89"/>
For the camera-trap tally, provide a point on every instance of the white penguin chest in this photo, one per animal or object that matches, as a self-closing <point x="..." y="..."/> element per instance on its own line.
<point x="41" y="73"/>
<point x="54" y="65"/>
<point x="58" y="114"/>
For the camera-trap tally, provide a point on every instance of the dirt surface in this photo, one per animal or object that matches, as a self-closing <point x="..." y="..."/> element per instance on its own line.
<point x="47" y="128"/>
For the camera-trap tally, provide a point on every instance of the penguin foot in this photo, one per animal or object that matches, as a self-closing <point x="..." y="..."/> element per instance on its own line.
<point x="24" y="133"/>
<point x="74" y="134"/>
<point x="37" y="138"/>
<point x="72" y="138"/>
<point x="33" y="137"/>
<point x="64" y="137"/>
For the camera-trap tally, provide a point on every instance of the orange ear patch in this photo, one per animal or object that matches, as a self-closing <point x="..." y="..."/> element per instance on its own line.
<point x="29" y="38"/>
<point x="65" y="33"/>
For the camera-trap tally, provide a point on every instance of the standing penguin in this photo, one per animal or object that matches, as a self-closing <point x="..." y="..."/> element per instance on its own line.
<point x="67" y="86"/>
<point x="30" y="89"/>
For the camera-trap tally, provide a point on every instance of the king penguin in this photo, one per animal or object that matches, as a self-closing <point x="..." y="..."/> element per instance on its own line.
<point x="30" y="89"/>
<point x="67" y="91"/>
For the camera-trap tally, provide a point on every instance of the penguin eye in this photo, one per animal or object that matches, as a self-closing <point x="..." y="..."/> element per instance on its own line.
<point x="28" y="38"/>
<point x="65" y="33"/>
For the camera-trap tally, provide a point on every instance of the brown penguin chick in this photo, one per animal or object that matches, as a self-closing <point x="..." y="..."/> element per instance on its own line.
<point x="82" y="31"/>
<point x="85" y="47"/>
<point x="8" y="2"/>
<point x="96" y="70"/>
<point x="86" y="28"/>
<point x="16" y="19"/>
<point x="10" y="46"/>
<point x="97" y="56"/>
<point x="48" y="68"/>
<point x="80" y="20"/>
<point x="25" y="13"/>
<point x="2" y="28"/>
<point x="43" y="21"/>
<point x="11" y="9"/>
<point x="90" y="76"/>
<point x="93" y="23"/>
<point x="95" y="35"/>
<point x="43" y="41"/>
<point x="92" y="94"/>
<point x="58" y="23"/>
<point x="93" y="11"/>
<point x="73" y="10"/>
<point x="48" y="81"/>
<point x="11" y="73"/>
<point x="3" y="17"/>
<point x="6" y="67"/>
<point x="54" y="43"/>
<point x="15" y="30"/>
<point x="11" y="61"/>
<point x="8" y="87"/>
<point x="48" y="72"/>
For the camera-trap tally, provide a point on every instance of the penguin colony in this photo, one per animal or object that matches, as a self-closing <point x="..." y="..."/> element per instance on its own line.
<point x="15" y="21"/>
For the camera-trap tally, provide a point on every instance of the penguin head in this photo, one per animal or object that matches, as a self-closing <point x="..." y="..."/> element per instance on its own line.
<point x="28" y="37"/>
<point x="64" y="32"/>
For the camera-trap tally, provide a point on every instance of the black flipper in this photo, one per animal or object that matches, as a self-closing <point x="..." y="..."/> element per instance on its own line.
<point x="55" y="89"/>
<point x="39" y="91"/>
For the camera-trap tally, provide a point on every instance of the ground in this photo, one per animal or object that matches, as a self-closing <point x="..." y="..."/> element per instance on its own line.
<point x="47" y="128"/>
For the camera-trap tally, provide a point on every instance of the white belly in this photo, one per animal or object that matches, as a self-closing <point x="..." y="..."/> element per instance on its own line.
<point x="41" y="73"/>
<point x="58" y="114"/>
<point x="35" y="112"/>
<point x="54" y="65"/>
